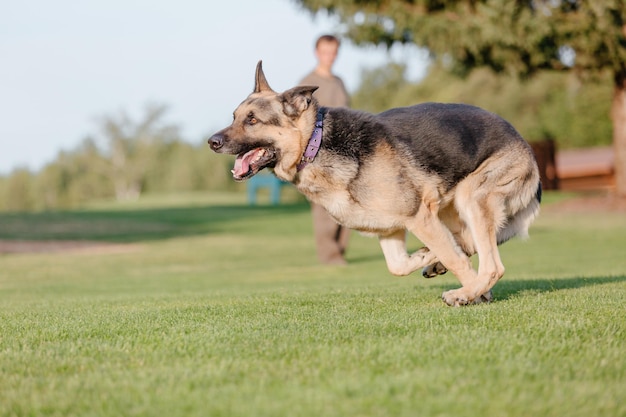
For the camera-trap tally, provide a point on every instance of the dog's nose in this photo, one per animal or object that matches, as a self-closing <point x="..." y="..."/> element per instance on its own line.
<point x="216" y="141"/>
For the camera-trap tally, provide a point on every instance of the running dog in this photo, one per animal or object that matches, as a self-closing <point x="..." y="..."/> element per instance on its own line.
<point x="461" y="179"/>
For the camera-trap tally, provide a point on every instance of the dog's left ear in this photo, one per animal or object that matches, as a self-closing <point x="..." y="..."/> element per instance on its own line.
<point x="260" y="82"/>
<point x="297" y="100"/>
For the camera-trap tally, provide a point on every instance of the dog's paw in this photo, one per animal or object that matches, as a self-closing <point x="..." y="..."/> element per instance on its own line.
<point x="433" y="270"/>
<point x="459" y="297"/>
<point x="455" y="298"/>
<point x="485" y="298"/>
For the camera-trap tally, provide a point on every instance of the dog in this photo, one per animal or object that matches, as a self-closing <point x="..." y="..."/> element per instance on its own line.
<point x="458" y="177"/>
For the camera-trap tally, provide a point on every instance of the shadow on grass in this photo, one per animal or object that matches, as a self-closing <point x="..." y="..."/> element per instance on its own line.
<point x="135" y="225"/>
<point x="506" y="290"/>
<point x="509" y="289"/>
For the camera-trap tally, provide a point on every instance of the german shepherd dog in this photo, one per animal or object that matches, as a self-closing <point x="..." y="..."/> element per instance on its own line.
<point x="461" y="179"/>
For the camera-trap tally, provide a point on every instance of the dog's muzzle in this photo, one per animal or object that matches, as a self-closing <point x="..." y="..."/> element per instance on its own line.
<point x="216" y="141"/>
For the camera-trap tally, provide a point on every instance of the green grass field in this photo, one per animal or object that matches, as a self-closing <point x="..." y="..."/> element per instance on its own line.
<point x="214" y="308"/>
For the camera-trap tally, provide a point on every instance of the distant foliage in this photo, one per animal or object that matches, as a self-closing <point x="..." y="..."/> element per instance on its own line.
<point x="125" y="159"/>
<point x="553" y="105"/>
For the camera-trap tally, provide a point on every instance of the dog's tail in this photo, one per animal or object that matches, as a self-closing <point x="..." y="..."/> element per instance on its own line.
<point x="539" y="191"/>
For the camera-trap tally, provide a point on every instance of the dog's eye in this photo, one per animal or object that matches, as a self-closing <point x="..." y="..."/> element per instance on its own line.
<point x="251" y="119"/>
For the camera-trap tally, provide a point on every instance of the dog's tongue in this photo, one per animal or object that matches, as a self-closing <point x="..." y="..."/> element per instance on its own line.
<point x="242" y="163"/>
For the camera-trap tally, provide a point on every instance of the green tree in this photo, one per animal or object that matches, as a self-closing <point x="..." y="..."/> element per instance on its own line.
<point x="380" y="87"/>
<point x="73" y="178"/>
<point x="134" y="148"/>
<point x="519" y="37"/>
<point x="18" y="190"/>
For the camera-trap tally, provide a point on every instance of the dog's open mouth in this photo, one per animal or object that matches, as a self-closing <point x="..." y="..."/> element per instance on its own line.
<point x="249" y="163"/>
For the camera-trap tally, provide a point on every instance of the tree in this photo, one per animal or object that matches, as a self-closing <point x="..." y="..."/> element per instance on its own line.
<point x="379" y="87"/>
<point x="134" y="147"/>
<point x="18" y="192"/>
<point x="519" y="37"/>
<point x="73" y="178"/>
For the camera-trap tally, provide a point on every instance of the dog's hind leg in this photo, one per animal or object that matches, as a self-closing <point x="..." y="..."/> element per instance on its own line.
<point x="483" y="216"/>
<point x="496" y="202"/>
<point x="482" y="207"/>
<point x="399" y="262"/>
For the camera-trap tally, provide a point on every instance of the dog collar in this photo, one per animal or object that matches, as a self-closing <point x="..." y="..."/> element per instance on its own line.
<point x="313" y="147"/>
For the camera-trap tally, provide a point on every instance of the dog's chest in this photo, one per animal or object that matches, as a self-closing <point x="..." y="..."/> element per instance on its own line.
<point x="327" y="186"/>
<point x="339" y="204"/>
<point x="341" y="190"/>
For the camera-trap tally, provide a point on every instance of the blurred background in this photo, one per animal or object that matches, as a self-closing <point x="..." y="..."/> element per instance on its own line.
<point x="114" y="100"/>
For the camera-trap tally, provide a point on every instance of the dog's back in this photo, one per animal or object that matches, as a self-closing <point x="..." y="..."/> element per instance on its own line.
<point x="451" y="140"/>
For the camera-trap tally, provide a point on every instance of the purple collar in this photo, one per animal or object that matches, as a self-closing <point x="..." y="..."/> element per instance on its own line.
<point x="314" y="143"/>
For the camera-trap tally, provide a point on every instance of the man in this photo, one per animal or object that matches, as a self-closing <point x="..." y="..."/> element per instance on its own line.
<point x="331" y="239"/>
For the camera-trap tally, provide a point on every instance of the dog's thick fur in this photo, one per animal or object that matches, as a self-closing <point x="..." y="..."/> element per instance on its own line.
<point x="458" y="177"/>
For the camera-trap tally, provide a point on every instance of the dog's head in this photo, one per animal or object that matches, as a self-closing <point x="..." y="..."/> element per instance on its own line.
<point x="268" y="130"/>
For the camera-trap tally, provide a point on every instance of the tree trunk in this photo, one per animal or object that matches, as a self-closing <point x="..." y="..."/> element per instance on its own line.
<point x="618" y="114"/>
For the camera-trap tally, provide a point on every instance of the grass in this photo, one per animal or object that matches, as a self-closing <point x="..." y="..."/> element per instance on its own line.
<point x="221" y="309"/>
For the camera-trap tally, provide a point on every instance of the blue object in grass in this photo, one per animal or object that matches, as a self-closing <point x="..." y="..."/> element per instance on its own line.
<point x="264" y="180"/>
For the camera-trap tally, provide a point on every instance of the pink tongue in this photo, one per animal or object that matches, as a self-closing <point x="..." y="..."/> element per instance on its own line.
<point x="242" y="163"/>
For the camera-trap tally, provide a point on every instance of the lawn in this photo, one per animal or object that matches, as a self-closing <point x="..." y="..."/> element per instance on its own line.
<point x="209" y="307"/>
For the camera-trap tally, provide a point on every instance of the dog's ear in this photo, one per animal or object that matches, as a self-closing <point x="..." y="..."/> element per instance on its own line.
<point x="297" y="100"/>
<point x="260" y="83"/>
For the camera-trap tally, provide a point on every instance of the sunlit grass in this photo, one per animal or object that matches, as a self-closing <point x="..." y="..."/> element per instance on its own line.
<point x="224" y="311"/>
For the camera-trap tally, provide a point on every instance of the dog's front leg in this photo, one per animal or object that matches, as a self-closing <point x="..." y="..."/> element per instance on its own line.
<point x="429" y="229"/>
<point x="399" y="262"/>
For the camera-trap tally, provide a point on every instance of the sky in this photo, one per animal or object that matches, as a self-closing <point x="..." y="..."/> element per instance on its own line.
<point x="65" y="64"/>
